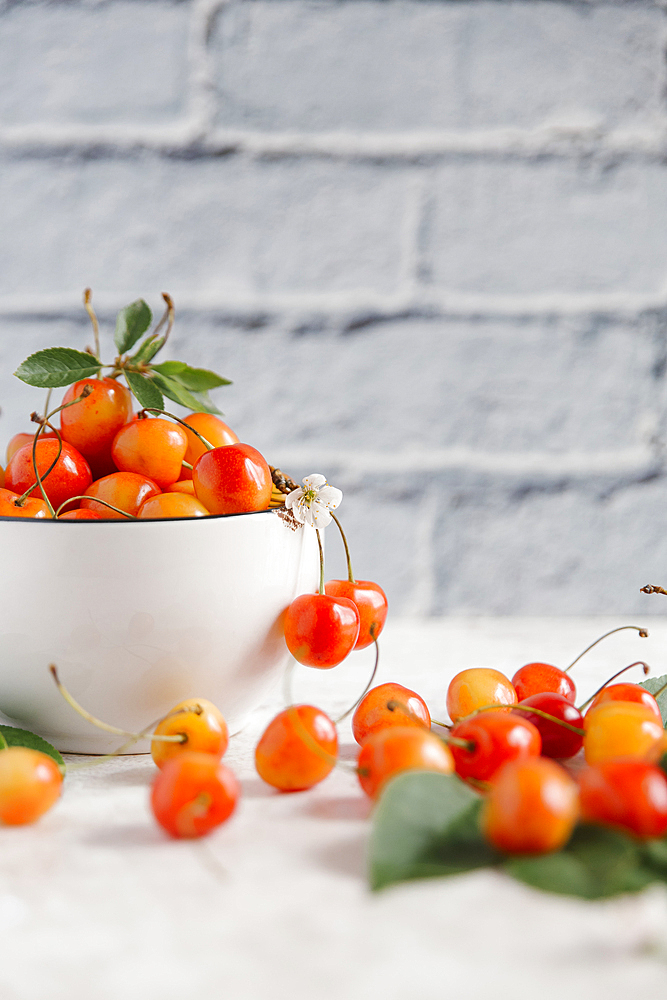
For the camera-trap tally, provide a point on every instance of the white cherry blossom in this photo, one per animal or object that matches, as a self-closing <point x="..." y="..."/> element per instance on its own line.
<point x="313" y="502"/>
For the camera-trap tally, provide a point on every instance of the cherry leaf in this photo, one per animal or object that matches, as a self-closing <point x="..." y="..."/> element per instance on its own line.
<point x="145" y="389"/>
<point x="654" y="684"/>
<point x="131" y="323"/>
<point x="57" y="366"/>
<point x="14" y="737"/>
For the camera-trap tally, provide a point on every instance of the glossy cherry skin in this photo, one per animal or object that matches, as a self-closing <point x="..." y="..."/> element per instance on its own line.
<point x="193" y="793"/>
<point x="234" y="479"/>
<point x="622" y="729"/>
<point x="70" y="478"/>
<point x="29" y="508"/>
<point x="371" y="602"/>
<point x="628" y="794"/>
<point x="125" y="490"/>
<point x="557" y="741"/>
<point x="320" y="630"/>
<point x="203" y="726"/>
<point x="532" y="807"/>
<point x="535" y="678"/>
<point x="476" y="688"/>
<point x="167" y="505"/>
<point x="19" y="440"/>
<point x="80" y="515"/>
<point x="401" y="748"/>
<point x="30" y="783"/>
<point x="153" y="447"/>
<point x="213" y="429"/>
<point x="185" y="486"/>
<point x="627" y="692"/>
<point x="495" y="738"/>
<point x="298" y="749"/>
<point x="91" y="425"/>
<point x="389" y="705"/>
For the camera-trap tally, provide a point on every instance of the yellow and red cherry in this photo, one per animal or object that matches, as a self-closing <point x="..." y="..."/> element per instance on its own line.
<point x="532" y="807"/>
<point x="29" y="507"/>
<point x="371" y="602"/>
<point x="493" y="739"/>
<point x="172" y="505"/>
<point x="30" y="783"/>
<point x="233" y="479"/>
<point x="476" y="688"/>
<point x="557" y="740"/>
<point x="91" y="425"/>
<point x="19" y="440"/>
<point x="401" y="748"/>
<point x="210" y="427"/>
<point x="151" y="447"/>
<point x="618" y="730"/>
<point x="185" y="486"/>
<point x="125" y="490"/>
<point x="320" y="630"/>
<point x="298" y="749"/>
<point x="70" y="477"/>
<point x="534" y="678"/>
<point x="202" y="725"/>
<point x="81" y="515"/>
<point x="629" y="794"/>
<point x="389" y="705"/>
<point x="627" y="692"/>
<point x="193" y="794"/>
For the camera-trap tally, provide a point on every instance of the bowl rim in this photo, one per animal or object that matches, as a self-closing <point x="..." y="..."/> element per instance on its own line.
<point x="139" y="520"/>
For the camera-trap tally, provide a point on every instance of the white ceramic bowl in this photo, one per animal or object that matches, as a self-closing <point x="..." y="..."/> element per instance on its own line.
<point x="139" y="615"/>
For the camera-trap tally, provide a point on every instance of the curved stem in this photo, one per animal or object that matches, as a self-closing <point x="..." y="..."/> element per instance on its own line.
<point x="642" y="632"/>
<point x="170" y="311"/>
<point x="186" y="465"/>
<point x="166" y="413"/>
<point x="319" y="543"/>
<point x="637" y="663"/>
<point x="350" y="574"/>
<point x="444" y="725"/>
<point x="21" y="500"/>
<point x="93" y="319"/>
<point x="84" y="496"/>
<point x="368" y="686"/>
<point x="524" y="708"/>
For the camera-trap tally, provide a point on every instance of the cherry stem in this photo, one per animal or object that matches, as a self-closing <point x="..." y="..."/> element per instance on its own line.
<point x="651" y="589"/>
<point x="186" y="465"/>
<point x="370" y="681"/>
<point x="176" y="738"/>
<point x="166" y="413"/>
<point x="85" y="496"/>
<point x="456" y="741"/>
<point x="642" y="632"/>
<point x="319" y="543"/>
<point x="637" y="663"/>
<point x="93" y="319"/>
<point x="350" y="574"/>
<point x="445" y="725"/>
<point x="525" y="708"/>
<point x="144" y="734"/>
<point x="169" y="316"/>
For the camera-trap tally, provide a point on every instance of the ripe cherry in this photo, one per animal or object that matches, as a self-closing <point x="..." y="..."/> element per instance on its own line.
<point x="200" y="722"/>
<point x="534" y="678"/>
<point x="19" y="440"/>
<point x="627" y="692"/>
<point x="91" y="425"/>
<point x="557" y="740"/>
<point x="234" y="479"/>
<point x="185" y="486"/>
<point x="622" y="729"/>
<point x="210" y="427"/>
<point x="400" y="748"/>
<point x="80" y="515"/>
<point x="70" y="477"/>
<point x="125" y="490"/>
<point x="493" y="738"/>
<point x="320" y="630"/>
<point x="389" y="705"/>
<point x="193" y="793"/>
<point x="151" y="447"/>
<point x="172" y="505"/>
<point x="475" y="688"/>
<point x="532" y="807"/>
<point x="298" y="749"/>
<point x="29" y="507"/>
<point x="627" y="793"/>
<point x="371" y="602"/>
<point x="30" y="783"/>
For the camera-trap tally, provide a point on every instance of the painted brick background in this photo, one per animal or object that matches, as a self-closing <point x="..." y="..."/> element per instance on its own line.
<point x="427" y="240"/>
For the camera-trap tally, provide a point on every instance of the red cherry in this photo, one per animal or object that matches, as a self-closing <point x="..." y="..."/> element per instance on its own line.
<point x="232" y="479"/>
<point x="320" y="630"/>
<point x="125" y="490"/>
<point x="71" y="476"/>
<point x="153" y="447"/>
<point x="210" y="427"/>
<point x="494" y="738"/>
<point x="626" y="692"/>
<point x="193" y="793"/>
<point x="626" y="793"/>
<point x="535" y="678"/>
<point x="91" y="425"/>
<point x="371" y="602"/>
<point x="401" y="748"/>
<point x="29" y="508"/>
<point x="389" y="705"/>
<point x="298" y="749"/>
<point x="557" y="740"/>
<point x="20" y="439"/>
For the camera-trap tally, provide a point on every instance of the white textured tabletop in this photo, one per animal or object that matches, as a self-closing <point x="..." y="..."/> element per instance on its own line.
<point x="96" y="904"/>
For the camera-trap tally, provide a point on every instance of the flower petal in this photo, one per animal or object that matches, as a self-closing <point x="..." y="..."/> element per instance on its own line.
<point x="314" y="481"/>
<point x="293" y="497"/>
<point x="320" y="515"/>
<point x="330" y="496"/>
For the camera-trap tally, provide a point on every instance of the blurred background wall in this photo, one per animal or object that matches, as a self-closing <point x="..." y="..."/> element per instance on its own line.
<point x="426" y="239"/>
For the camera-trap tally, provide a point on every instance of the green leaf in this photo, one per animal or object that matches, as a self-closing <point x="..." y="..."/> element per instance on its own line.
<point x="145" y="390"/>
<point x="57" y="366"/>
<point x="131" y="323"/>
<point x="595" y="864"/>
<point x="654" y="684"/>
<point x="148" y="349"/>
<point x="195" y="379"/>
<point x="173" y="389"/>
<point x="22" y="738"/>
<point x="426" y="824"/>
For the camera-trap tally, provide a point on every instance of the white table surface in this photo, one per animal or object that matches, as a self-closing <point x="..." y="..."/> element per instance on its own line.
<point x="96" y="904"/>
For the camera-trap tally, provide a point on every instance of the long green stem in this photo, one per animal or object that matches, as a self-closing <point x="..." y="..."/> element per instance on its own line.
<point x="166" y="413"/>
<point x="85" y="496"/>
<point x="93" y="319"/>
<point x="637" y="663"/>
<point x="350" y="574"/>
<point x="523" y="708"/>
<point x="368" y="686"/>
<point x="642" y="632"/>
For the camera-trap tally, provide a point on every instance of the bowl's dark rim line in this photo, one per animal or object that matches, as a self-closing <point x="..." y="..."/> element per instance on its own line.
<point x="137" y="520"/>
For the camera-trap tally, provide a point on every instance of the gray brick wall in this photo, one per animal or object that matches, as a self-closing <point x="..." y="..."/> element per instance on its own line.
<point x="427" y="240"/>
